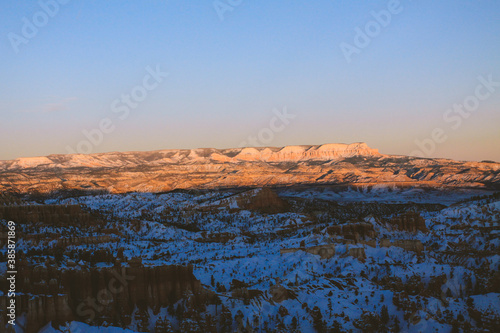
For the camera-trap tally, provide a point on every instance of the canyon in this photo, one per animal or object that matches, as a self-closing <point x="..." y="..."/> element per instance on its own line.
<point x="252" y="240"/>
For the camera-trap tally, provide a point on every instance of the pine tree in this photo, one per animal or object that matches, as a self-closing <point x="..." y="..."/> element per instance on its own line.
<point x="210" y="326"/>
<point x="384" y="315"/>
<point x="238" y="318"/>
<point x="397" y="328"/>
<point x="280" y="326"/>
<point x="295" y="323"/>
<point x="226" y="320"/>
<point x="282" y="311"/>
<point x="163" y="325"/>
<point x="455" y="328"/>
<point x="189" y="325"/>
<point x="368" y="322"/>
<point x="336" y="328"/>
<point x="318" y="322"/>
<point x="216" y="302"/>
<point x="142" y="320"/>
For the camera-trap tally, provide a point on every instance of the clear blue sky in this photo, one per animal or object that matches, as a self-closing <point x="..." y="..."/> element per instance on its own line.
<point x="226" y="76"/>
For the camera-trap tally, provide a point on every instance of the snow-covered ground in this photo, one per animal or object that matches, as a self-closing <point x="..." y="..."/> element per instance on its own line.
<point x="388" y="193"/>
<point x="452" y="283"/>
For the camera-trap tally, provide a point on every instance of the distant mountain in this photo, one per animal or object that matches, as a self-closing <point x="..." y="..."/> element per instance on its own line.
<point x="208" y="168"/>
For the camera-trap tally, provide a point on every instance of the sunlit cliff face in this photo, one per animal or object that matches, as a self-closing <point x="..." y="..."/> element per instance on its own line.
<point x="166" y="170"/>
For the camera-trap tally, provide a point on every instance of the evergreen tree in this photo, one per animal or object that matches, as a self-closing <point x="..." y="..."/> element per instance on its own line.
<point x="397" y="328"/>
<point x="210" y="326"/>
<point x="226" y="320"/>
<point x="179" y="312"/>
<point x="238" y="318"/>
<point x="295" y="323"/>
<point x="336" y="328"/>
<point x="318" y="322"/>
<point x="163" y="325"/>
<point x="368" y="322"/>
<point x="455" y="328"/>
<point x="282" y="311"/>
<point x="142" y="320"/>
<point x="189" y="325"/>
<point x="280" y="326"/>
<point x="384" y="315"/>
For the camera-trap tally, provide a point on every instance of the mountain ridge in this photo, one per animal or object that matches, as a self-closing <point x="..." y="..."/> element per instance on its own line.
<point x="208" y="168"/>
<point x="292" y="152"/>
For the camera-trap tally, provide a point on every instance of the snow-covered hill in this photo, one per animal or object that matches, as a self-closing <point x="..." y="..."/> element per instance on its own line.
<point x="317" y="265"/>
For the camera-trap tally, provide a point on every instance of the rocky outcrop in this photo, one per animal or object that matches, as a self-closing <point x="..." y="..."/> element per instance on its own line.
<point x="55" y="240"/>
<point x="279" y="293"/>
<point x="55" y="215"/>
<point x="167" y="170"/>
<point x="246" y="294"/>
<point x="353" y="231"/>
<point x="221" y="237"/>
<point x="385" y="243"/>
<point x="291" y="250"/>
<point x="410" y="221"/>
<point x="324" y="251"/>
<point x="263" y="200"/>
<point x="100" y="294"/>
<point x="413" y="245"/>
<point x="370" y="243"/>
<point x="298" y="153"/>
<point x="6" y="199"/>
<point x="358" y="253"/>
<point x="239" y="289"/>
